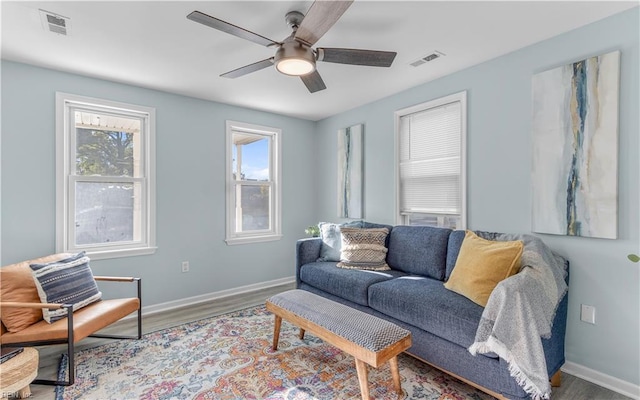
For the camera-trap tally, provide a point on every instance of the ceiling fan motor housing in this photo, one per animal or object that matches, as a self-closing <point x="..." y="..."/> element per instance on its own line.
<point x="293" y="54"/>
<point x="294" y="19"/>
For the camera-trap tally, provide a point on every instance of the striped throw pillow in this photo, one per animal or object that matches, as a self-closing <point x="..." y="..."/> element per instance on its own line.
<point x="67" y="281"/>
<point x="364" y="249"/>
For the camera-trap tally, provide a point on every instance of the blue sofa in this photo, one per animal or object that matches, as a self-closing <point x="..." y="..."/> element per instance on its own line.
<point x="412" y="295"/>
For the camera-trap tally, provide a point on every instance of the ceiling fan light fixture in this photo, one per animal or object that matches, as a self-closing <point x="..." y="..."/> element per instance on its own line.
<point x="295" y="66"/>
<point x="292" y="58"/>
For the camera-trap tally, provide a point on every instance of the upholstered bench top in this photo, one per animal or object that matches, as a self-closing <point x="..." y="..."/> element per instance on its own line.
<point x="360" y="328"/>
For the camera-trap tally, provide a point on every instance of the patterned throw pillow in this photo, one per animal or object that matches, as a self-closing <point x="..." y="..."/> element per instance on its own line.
<point x="67" y="281"/>
<point x="364" y="249"/>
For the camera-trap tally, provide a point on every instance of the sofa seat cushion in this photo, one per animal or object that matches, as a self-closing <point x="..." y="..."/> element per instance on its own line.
<point x="426" y="304"/>
<point x="86" y="321"/>
<point x="419" y="250"/>
<point x="349" y="284"/>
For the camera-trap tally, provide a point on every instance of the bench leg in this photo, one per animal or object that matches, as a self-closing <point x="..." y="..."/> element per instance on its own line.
<point x="556" y="379"/>
<point x="395" y="373"/>
<point x="363" y="379"/>
<point x="301" y="335"/>
<point x="276" y="332"/>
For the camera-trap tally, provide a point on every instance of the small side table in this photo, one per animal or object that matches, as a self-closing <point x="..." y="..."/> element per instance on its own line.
<point x="17" y="373"/>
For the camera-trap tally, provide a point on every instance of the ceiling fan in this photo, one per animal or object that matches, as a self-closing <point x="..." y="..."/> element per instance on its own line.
<point x="295" y="55"/>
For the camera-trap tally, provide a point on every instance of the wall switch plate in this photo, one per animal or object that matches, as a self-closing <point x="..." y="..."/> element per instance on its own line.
<point x="588" y="314"/>
<point x="185" y="266"/>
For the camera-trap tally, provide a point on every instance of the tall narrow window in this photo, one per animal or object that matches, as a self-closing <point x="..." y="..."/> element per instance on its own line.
<point x="105" y="170"/>
<point x="253" y="183"/>
<point x="431" y="163"/>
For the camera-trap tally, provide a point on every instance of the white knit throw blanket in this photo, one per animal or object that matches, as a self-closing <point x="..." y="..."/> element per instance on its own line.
<point x="520" y="312"/>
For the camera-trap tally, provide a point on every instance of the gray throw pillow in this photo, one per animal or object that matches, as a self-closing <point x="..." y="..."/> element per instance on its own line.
<point x="332" y="239"/>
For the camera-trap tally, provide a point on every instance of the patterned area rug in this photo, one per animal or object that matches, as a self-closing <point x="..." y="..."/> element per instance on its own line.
<point x="230" y="357"/>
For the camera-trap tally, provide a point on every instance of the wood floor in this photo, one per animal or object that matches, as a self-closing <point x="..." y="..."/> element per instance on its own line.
<point x="572" y="387"/>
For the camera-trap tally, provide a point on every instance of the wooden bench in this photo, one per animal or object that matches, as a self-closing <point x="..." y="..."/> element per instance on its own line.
<point x="369" y="339"/>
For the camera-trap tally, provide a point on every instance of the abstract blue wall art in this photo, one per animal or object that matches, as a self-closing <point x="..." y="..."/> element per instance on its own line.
<point x="350" y="165"/>
<point x="575" y="148"/>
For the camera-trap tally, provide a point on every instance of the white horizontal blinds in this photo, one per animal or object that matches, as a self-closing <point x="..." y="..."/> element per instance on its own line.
<point x="430" y="145"/>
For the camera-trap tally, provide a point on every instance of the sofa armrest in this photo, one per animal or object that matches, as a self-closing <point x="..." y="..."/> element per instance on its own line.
<point x="554" y="345"/>
<point x="307" y="251"/>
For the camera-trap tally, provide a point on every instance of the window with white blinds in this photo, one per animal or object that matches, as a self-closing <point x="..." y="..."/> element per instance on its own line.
<point x="431" y="138"/>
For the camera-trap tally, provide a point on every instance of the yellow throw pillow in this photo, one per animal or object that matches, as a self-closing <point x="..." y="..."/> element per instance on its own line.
<point x="481" y="265"/>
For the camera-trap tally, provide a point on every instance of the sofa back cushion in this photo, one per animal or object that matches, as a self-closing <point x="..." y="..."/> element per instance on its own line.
<point x="419" y="250"/>
<point x="453" y="249"/>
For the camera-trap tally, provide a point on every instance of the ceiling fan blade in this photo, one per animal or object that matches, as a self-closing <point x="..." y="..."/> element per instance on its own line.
<point x="319" y="19"/>
<point x="247" y="69"/>
<point x="313" y="81"/>
<point x="231" y="29"/>
<point x="371" y="58"/>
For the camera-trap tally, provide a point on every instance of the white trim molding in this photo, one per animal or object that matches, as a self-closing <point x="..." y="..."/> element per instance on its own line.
<point x="607" y="381"/>
<point x="203" y="298"/>
<point x="144" y="220"/>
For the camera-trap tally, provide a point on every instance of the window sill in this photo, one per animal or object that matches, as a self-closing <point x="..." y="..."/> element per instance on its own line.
<point x="106" y="254"/>
<point x="253" y="239"/>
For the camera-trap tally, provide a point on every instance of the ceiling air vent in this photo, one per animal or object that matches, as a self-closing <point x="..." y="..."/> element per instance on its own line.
<point x="423" y="60"/>
<point x="55" y="23"/>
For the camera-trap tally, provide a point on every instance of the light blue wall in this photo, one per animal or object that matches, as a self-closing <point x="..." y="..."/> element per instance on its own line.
<point x="190" y="204"/>
<point x="499" y="184"/>
<point x="190" y="183"/>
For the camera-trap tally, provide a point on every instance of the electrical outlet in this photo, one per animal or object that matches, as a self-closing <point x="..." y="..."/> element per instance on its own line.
<point x="588" y="314"/>
<point x="185" y="266"/>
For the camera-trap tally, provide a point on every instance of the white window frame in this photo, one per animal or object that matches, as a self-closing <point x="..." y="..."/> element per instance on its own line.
<point x="456" y="97"/>
<point x="274" y="233"/>
<point x="66" y="178"/>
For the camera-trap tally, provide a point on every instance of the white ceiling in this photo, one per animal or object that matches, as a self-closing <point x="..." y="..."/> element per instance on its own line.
<point x="152" y="44"/>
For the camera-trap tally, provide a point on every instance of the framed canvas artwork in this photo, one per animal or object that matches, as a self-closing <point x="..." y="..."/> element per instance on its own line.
<point x="575" y="148"/>
<point x="350" y="165"/>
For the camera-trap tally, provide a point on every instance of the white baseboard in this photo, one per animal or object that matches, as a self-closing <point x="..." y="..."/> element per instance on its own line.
<point x="607" y="381"/>
<point x="170" y="305"/>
